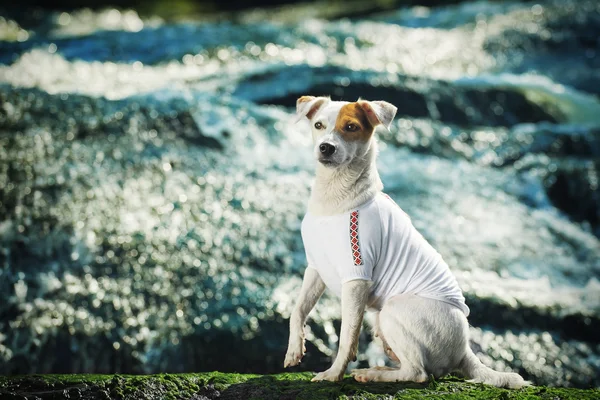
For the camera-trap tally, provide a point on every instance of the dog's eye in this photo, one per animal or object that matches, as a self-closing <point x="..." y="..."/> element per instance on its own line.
<point x="351" y="127"/>
<point x="318" y="125"/>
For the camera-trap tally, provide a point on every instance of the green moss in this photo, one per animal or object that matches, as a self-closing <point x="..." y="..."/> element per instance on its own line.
<point x="245" y="386"/>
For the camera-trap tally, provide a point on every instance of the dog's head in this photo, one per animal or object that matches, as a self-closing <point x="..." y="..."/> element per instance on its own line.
<point x="342" y="131"/>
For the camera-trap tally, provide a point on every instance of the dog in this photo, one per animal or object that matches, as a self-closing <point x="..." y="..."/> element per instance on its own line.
<point x="363" y="247"/>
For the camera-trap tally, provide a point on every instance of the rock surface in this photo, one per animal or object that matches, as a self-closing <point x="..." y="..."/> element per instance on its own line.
<point x="214" y="385"/>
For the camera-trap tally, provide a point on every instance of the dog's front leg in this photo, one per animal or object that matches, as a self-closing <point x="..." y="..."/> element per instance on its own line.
<point x="354" y="300"/>
<point x="312" y="289"/>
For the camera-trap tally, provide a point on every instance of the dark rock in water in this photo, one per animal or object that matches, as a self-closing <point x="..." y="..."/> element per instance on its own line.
<point x="574" y="188"/>
<point x="224" y="349"/>
<point x="584" y="328"/>
<point x="579" y="143"/>
<point x="416" y="98"/>
<point x="99" y="117"/>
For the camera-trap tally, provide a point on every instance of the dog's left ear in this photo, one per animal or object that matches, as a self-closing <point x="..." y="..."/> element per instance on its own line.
<point x="307" y="106"/>
<point x="379" y="112"/>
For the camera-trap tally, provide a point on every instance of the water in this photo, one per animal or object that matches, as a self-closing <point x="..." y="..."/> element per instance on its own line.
<point x="152" y="182"/>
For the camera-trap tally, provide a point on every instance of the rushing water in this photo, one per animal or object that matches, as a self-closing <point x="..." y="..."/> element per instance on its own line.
<point x="152" y="182"/>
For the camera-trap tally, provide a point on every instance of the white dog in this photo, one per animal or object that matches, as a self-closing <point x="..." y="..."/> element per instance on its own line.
<point x="364" y="248"/>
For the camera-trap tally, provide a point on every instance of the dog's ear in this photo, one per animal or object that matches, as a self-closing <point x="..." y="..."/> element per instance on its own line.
<point x="379" y="112"/>
<point x="307" y="106"/>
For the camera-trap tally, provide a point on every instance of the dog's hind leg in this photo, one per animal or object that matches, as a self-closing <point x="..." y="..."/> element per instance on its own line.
<point x="407" y="371"/>
<point x="427" y="337"/>
<point x="410" y="367"/>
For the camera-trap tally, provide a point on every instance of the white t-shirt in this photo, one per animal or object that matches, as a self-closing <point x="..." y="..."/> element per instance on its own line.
<point x="378" y="242"/>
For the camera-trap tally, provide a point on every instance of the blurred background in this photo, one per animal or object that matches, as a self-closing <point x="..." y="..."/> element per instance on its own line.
<point x="152" y="183"/>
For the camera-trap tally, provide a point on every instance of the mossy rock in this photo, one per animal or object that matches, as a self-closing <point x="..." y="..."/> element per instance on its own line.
<point x="215" y="385"/>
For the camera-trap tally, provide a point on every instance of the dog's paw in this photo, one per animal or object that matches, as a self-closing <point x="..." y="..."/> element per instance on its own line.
<point x="367" y="374"/>
<point x="364" y="375"/>
<point x="294" y="354"/>
<point x="329" y="375"/>
<point x="372" y="374"/>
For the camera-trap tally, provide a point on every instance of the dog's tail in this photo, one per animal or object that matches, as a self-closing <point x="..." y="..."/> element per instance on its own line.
<point x="477" y="372"/>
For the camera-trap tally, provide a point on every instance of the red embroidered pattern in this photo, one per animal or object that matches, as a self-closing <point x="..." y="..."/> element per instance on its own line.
<point x="354" y="238"/>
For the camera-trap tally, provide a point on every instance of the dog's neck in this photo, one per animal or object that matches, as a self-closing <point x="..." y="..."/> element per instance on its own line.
<point x="338" y="190"/>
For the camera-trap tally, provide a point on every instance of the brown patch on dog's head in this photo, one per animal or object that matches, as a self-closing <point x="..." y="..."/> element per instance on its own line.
<point x="353" y="123"/>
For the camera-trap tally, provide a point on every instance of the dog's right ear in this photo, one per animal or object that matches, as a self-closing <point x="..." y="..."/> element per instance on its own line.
<point x="307" y="106"/>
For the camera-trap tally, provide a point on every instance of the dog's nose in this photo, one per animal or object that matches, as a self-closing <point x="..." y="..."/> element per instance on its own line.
<point x="327" y="149"/>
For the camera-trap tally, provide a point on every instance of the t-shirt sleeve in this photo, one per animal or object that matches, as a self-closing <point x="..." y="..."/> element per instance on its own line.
<point x="309" y="258"/>
<point x="360" y="247"/>
<point x="309" y="261"/>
